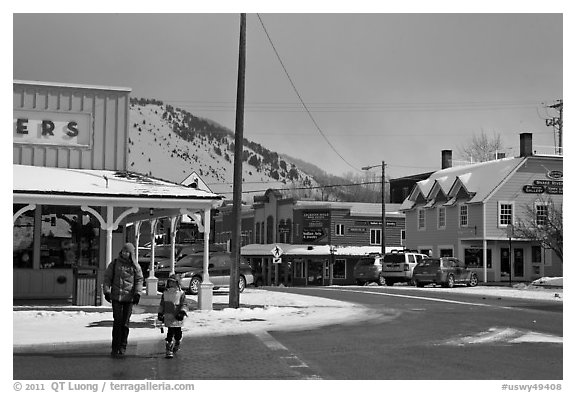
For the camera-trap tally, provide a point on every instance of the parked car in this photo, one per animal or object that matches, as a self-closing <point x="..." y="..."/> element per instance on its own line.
<point x="398" y="266"/>
<point x="369" y="269"/>
<point x="446" y="271"/>
<point x="161" y="257"/>
<point x="190" y="269"/>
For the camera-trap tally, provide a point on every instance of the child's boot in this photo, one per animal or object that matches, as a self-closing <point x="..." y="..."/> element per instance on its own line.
<point x="177" y="345"/>
<point x="169" y="350"/>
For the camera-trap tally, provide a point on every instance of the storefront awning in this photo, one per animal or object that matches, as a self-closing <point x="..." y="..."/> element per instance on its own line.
<point x="262" y="250"/>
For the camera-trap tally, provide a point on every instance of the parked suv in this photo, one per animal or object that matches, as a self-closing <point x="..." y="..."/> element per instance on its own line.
<point x="369" y="269"/>
<point x="446" y="271"/>
<point x="398" y="266"/>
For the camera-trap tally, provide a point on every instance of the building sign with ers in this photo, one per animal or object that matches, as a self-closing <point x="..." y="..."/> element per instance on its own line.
<point x="52" y="128"/>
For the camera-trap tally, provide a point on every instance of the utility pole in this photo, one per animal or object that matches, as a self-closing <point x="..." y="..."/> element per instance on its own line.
<point x="556" y="122"/>
<point x="383" y="208"/>
<point x="383" y="183"/>
<point x="234" y="294"/>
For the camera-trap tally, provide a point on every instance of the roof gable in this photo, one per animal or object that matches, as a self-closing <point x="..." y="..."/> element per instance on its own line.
<point x="474" y="182"/>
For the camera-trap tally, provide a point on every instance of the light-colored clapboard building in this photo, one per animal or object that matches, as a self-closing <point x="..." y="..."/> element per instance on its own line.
<point x="74" y="202"/>
<point x="465" y="212"/>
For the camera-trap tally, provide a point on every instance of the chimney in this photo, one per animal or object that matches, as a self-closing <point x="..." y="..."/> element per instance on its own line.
<point x="446" y="159"/>
<point x="525" y="144"/>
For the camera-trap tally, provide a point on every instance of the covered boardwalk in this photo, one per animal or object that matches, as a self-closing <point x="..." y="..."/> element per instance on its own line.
<point x="110" y="204"/>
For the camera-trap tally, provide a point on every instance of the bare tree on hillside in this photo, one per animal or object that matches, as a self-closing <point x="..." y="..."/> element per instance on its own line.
<point x="481" y="148"/>
<point x="368" y="188"/>
<point x="543" y="224"/>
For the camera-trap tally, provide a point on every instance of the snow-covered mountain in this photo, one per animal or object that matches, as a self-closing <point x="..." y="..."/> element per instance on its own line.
<point x="170" y="143"/>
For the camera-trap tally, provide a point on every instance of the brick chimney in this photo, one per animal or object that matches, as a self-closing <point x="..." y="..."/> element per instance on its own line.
<point x="525" y="144"/>
<point x="446" y="159"/>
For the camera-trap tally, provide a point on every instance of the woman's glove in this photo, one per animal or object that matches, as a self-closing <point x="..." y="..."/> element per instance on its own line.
<point x="161" y="317"/>
<point x="181" y="314"/>
<point x="136" y="298"/>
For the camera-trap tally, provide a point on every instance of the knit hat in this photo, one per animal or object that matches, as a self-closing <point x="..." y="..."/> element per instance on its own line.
<point x="174" y="278"/>
<point x="130" y="248"/>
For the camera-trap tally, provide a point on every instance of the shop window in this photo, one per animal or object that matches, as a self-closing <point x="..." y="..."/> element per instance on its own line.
<point x="446" y="252"/>
<point x="402" y="237"/>
<point x="339" y="229"/>
<point x="463" y="216"/>
<point x="339" y="270"/>
<point x="473" y="257"/>
<point x="23" y="239"/>
<point x="425" y="251"/>
<point x="375" y="237"/>
<point x="299" y="269"/>
<point x="69" y="237"/>
<point x="270" y="230"/>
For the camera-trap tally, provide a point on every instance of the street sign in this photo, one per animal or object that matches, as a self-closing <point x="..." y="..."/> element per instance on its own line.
<point x="277" y="251"/>
<point x="276" y="260"/>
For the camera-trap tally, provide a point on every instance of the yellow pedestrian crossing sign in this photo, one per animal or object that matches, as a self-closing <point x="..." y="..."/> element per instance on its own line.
<point x="277" y="251"/>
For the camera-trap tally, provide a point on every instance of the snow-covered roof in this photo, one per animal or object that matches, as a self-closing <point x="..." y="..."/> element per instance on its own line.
<point x="311" y="249"/>
<point x="357" y="209"/>
<point x="71" y="85"/>
<point x="99" y="183"/>
<point x="479" y="180"/>
<point x="194" y="178"/>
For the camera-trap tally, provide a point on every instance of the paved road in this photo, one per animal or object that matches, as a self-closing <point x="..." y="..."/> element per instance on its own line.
<point x="418" y="335"/>
<point x="427" y="335"/>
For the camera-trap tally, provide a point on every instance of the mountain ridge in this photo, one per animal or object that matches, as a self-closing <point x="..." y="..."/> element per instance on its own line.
<point x="170" y="143"/>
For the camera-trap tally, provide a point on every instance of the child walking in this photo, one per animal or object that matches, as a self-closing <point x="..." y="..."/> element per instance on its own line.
<point x="172" y="311"/>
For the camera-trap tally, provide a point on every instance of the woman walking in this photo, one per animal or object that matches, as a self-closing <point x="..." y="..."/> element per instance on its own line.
<point x="123" y="281"/>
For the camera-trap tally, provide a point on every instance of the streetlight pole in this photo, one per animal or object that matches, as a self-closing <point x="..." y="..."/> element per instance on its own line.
<point x="383" y="235"/>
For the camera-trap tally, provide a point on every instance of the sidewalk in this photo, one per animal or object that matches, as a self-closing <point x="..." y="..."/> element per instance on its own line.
<point x="260" y="310"/>
<point x="41" y="327"/>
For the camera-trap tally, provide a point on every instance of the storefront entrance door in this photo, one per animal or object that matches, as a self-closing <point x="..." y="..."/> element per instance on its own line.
<point x="315" y="270"/>
<point x="504" y="262"/>
<point x="518" y="262"/>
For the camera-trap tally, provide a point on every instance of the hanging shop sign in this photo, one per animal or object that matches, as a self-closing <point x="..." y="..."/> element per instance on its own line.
<point x="552" y="187"/>
<point x="310" y="235"/>
<point x="375" y="223"/>
<point x="316" y="225"/>
<point x="52" y="128"/>
<point x="555" y="175"/>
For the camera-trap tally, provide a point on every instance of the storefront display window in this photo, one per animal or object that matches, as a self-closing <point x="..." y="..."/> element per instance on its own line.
<point x="23" y="239"/>
<point x="473" y="257"/>
<point x="69" y="237"/>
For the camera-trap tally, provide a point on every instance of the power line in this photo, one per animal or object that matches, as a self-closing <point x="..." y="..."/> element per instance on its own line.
<point x="307" y="188"/>
<point x="300" y="98"/>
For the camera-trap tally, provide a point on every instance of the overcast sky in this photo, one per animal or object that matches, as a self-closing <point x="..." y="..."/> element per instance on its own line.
<point x="392" y="87"/>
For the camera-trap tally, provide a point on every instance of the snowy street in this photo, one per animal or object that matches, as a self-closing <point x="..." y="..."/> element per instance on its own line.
<point x="260" y="310"/>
